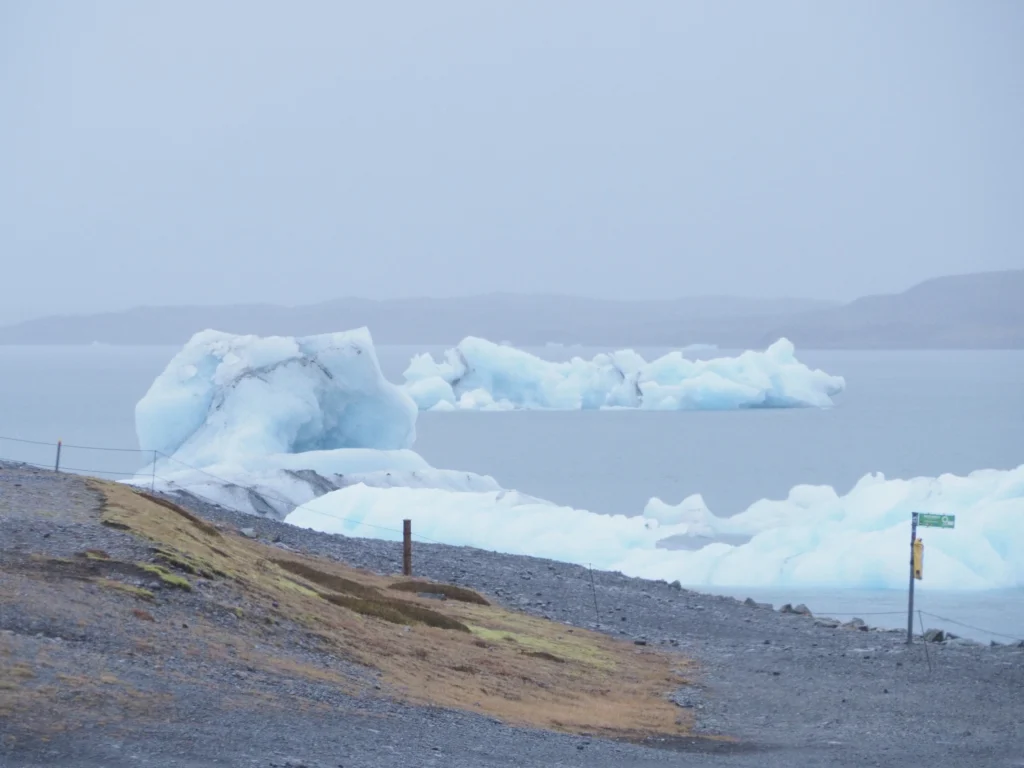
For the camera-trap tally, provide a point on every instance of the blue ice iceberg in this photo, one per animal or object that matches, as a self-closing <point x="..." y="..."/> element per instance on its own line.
<point x="264" y="424"/>
<point x="481" y="375"/>
<point x="226" y="396"/>
<point x="815" y="537"/>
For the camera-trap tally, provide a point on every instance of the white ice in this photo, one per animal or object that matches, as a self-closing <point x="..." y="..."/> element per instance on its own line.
<point x="225" y="396"/>
<point x="264" y="424"/>
<point x="481" y="375"/>
<point x="813" y="538"/>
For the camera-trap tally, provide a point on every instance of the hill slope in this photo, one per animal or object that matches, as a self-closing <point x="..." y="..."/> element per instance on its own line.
<point x="984" y="310"/>
<point x="977" y="311"/>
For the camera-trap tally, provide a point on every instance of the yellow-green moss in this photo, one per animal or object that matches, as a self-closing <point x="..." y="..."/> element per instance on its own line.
<point x="293" y="587"/>
<point x="166" y="576"/>
<point x="187" y="564"/>
<point x="540" y="647"/>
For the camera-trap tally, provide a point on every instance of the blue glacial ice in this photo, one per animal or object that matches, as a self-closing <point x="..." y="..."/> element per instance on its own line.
<point x="224" y="396"/>
<point x="481" y="375"/>
<point x="813" y="538"/>
<point x="263" y="424"/>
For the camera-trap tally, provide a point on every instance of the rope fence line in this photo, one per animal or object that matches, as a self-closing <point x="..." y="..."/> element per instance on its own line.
<point x="266" y="493"/>
<point x="78" y="447"/>
<point x="971" y="626"/>
<point x="279" y="497"/>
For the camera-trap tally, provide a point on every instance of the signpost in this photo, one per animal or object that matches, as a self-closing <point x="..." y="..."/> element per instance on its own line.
<point x="926" y="520"/>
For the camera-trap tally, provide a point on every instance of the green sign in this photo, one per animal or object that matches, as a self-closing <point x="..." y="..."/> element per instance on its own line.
<point x="936" y="521"/>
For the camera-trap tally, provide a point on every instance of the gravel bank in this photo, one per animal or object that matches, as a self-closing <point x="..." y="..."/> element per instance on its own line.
<point x="789" y="692"/>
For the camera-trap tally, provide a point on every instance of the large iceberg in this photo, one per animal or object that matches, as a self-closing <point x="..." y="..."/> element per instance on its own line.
<point x="813" y="538"/>
<point x="264" y="424"/>
<point x="225" y="396"/>
<point x="480" y="375"/>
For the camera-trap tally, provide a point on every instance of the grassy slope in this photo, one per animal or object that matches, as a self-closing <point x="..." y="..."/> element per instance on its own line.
<point x="458" y="653"/>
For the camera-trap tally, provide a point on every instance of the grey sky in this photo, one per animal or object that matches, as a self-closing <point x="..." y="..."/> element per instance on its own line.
<point x="174" y="152"/>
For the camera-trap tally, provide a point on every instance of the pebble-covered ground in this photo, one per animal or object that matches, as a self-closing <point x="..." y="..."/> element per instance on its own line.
<point x="786" y="689"/>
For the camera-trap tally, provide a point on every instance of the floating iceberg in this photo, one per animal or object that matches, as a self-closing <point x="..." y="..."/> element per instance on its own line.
<point x="814" y="537"/>
<point x="265" y="424"/>
<point x="481" y="375"/>
<point x="226" y="396"/>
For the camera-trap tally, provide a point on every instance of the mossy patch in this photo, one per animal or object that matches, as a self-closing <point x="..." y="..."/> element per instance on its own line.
<point x="329" y="580"/>
<point x="543" y="646"/>
<point x="187" y="564"/>
<point x="292" y="586"/>
<point x="450" y="591"/>
<point x="198" y="522"/>
<point x="171" y="579"/>
<point x="395" y="611"/>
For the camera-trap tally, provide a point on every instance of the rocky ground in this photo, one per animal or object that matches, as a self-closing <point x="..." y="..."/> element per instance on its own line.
<point x="771" y="689"/>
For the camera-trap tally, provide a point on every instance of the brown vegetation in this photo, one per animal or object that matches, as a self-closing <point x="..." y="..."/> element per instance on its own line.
<point x="461" y="652"/>
<point x="450" y="591"/>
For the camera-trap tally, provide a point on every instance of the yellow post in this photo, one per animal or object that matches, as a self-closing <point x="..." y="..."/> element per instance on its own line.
<point x="918" y="559"/>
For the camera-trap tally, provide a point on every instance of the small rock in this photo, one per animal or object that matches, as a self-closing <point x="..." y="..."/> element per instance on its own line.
<point x="934" y="636"/>
<point x="803" y="610"/>
<point x="639" y="642"/>
<point x="856" y="623"/>
<point x="676" y="585"/>
<point x="787" y="608"/>
<point x="829" y="623"/>
<point x="249" y="533"/>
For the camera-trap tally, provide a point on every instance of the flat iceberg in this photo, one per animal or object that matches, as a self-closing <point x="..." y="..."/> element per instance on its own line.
<point x="480" y="375"/>
<point x="265" y="424"/>
<point x="813" y="538"/>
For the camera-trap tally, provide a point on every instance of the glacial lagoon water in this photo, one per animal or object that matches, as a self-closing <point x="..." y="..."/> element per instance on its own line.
<point x="904" y="413"/>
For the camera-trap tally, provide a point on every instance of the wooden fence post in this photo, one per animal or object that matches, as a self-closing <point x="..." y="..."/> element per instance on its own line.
<point x="407" y="547"/>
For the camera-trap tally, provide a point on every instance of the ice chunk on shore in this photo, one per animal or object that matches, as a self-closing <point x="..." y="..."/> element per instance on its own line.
<point x="481" y="375"/>
<point x="813" y="538"/>
<point x="224" y="396"/>
<point x="272" y="486"/>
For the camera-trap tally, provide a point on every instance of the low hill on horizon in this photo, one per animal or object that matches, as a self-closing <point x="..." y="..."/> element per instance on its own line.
<point x="974" y="311"/>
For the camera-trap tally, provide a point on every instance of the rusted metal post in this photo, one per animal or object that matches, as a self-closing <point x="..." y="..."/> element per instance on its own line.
<point x="56" y="466"/>
<point x="407" y="547"/>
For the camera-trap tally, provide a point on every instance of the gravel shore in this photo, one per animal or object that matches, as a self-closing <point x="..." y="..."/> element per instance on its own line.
<point x="785" y="689"/>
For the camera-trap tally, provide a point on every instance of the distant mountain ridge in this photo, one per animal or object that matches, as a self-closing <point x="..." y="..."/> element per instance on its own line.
<point x="975" y="311"/>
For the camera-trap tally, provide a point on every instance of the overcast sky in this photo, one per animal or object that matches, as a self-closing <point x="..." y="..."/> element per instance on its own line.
<point x="176" y="152"/>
